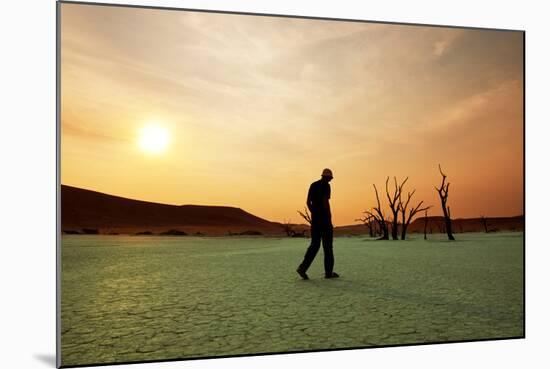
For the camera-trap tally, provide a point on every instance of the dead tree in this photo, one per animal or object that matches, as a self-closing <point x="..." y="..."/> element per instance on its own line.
<point x="393" y="201"/>
<point x="443" y="192"/>
<point x="368" y="220"/>
<point x="379" y="217"/>
<point x="382" y="229"/>
<point x="371" y="226"/>
<point x="484" y="222"/>
<point x="406" y="218"/>
<point x="376" y="229"/>
<point x="425" y="223"/>
<point x="287" y="228"/>
<point x="305" y="215"/>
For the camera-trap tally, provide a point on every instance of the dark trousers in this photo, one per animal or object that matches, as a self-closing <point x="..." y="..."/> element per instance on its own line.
<point x="320" y="233"/>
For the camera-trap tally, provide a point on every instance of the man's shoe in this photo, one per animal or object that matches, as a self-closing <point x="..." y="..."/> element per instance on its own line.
<point x="333" y="275"/>
<point x="302" y="273"/>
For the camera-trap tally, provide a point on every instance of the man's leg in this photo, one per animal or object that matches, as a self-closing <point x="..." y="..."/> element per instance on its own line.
<point x="312" y="249"/>
<point x="327" y="234"/>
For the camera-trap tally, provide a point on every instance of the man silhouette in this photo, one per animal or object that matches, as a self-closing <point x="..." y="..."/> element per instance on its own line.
<point x="321" y="225"/>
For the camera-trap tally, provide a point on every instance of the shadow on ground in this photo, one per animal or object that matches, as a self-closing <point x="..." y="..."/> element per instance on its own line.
<point x="48" y="359"/>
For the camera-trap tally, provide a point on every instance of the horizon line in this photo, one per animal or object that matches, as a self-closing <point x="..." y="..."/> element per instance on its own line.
<point x="271" y="221"/>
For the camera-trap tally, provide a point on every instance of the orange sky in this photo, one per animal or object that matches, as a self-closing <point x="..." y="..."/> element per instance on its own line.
<point x="256" y="107"/>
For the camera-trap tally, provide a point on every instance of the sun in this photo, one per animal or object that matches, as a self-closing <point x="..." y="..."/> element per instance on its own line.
<point x="154" y="139"/>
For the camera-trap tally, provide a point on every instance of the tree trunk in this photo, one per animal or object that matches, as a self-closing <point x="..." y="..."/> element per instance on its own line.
<point x="394" y="229"/>
<point x="425" y="224"/>
<point x="404" y="231"/>
<point x="443" y="192"/>
<point x="448" y="224"/>
<point x="484" y="221"/>
<point x="371" y="230"/>
<point x="385" y="231"/>
<point x="393" y="201"/>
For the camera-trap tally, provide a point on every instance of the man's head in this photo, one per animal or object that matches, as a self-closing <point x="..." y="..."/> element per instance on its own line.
<point x="327" y="175"/>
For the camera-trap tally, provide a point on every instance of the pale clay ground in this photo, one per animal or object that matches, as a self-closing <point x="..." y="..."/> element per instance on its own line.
<point x="150" y="298"/>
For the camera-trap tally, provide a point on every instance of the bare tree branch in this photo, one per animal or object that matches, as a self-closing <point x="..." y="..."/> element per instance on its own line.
<point x="287" y="228"/>
<point x="379" y="216"/>
<point x="305" y="215"/>
<point x="369" y="220"/>
<point x="443" y="192"/>
<point x="394" y="200"/>
<point x="406" y="219"/>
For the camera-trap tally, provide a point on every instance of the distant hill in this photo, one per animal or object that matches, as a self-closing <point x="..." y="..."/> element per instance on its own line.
<point x="494" y="224"/>
<point x="85" y="211"/>
<point x="436" y="225"/>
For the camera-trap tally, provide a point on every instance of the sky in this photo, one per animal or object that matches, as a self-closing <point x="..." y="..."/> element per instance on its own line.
<point x="250" y="109"/>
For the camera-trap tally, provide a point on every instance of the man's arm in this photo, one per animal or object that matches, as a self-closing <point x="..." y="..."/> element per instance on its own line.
<point x="326" y="207"/>
<point x="308" y="201"/>
<point x="326" y="204"/>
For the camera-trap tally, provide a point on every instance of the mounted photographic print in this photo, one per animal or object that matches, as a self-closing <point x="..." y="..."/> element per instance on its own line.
<point x="236" y="184"/>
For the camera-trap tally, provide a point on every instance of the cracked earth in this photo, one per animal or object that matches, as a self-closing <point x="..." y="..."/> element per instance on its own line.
<point x="129" y="299"/>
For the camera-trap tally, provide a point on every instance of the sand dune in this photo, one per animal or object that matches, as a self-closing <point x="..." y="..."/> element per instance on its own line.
<point x="91" y="210"/>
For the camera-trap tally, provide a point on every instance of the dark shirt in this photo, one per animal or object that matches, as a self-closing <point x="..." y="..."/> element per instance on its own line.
<point x="317" y="201"/>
